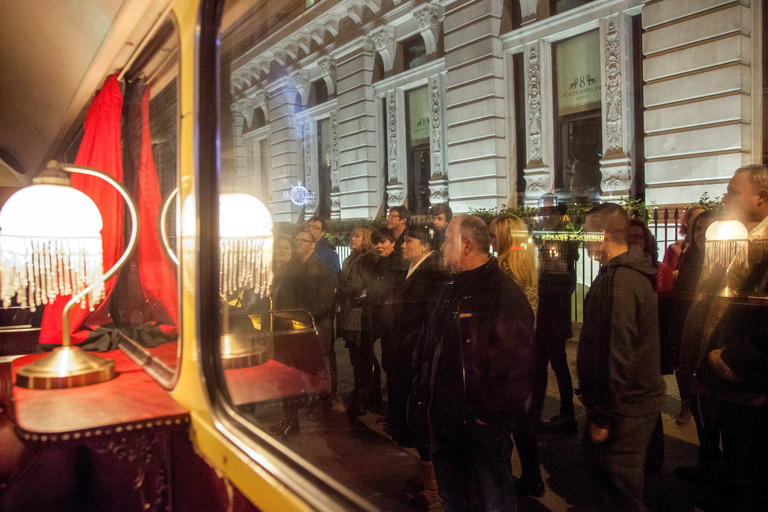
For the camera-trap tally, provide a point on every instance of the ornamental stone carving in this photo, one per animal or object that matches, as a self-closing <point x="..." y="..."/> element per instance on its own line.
<point x="616" y="179"/>
<point x="436" y="138"/>
<point x="392" y="136"/>
<point x="395" y="195"/>
<point x="327" y="67"/>
<point x="384" y="42"/>
<point x="300" y="80"/>
<point x="534" y="109"/>
<point x="426" y="19"/>
<point x="537" y="184"/>
<point x="613" y="110"/>
<point x="334" y="152"/>
<point x="438" y="191"/>
<point x="311" y="205"/>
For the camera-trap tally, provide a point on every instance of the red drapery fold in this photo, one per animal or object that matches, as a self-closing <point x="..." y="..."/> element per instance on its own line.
<point x="156" y="271"/>
<point x="99" y="149"/>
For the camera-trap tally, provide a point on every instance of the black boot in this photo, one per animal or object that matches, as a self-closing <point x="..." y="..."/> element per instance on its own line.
<point x="357" y="408"/>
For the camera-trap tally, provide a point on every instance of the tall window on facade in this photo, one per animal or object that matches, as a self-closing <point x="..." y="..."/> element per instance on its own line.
<point x="318" y="93"/>
<point x="578" y="117"/>
<point x="324" y="151"/>
<point x="558" y="6"/>
<point x="417" y="107"/>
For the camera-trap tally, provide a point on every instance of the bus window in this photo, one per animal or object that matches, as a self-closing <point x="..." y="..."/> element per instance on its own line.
<point x="145" y="305"/>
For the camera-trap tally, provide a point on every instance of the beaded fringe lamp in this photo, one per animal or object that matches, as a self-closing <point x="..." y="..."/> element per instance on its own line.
<point x="50" y="246"/>
<point x="245" y="262"/>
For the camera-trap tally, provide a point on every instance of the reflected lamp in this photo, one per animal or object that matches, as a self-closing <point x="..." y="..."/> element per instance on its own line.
<point x="50" y="246"/>
<point x="245" y="262"/>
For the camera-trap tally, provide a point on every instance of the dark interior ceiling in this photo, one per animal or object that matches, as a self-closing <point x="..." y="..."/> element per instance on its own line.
<point x="54" y="54"/>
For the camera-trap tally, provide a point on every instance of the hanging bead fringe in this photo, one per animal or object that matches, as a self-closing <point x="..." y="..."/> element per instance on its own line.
<point x="246" y="263"/>
<point x="37" y="270"/>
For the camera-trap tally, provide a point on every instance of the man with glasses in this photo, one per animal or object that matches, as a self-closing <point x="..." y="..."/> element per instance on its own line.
<point x="398" y="219"/>
<point x="326" y="252"/>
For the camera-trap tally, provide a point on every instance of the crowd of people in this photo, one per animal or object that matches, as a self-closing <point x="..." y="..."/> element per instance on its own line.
<point x="466" y="339"/>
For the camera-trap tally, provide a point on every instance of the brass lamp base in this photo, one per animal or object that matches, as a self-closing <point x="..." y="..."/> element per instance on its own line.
<point x="241" y="352"/>
<point x="65" y="367"/>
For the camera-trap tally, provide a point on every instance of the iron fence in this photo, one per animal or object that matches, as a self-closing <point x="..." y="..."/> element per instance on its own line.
<point x="664" y="224"/>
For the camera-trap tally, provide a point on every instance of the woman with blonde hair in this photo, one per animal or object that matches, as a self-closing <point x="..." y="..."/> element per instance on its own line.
<point x="350" y="290"/>
<point x="516" y="255"/>
<point x="517" y="258"/>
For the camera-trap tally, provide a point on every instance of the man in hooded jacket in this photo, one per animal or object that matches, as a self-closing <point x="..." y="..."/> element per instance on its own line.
<point x="618" y="363"/>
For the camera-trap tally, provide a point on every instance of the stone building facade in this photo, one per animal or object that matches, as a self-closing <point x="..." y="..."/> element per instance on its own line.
<point x="479" y="103"/>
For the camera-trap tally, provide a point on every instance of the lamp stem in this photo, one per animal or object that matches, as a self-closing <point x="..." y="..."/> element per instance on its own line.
<point x="66" y="340"/>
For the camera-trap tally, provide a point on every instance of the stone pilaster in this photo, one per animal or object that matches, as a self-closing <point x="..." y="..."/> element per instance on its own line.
<point x="438" y="182"/>
<point x="539" y="130"/>
<point x="396" y="183"/>
<point x="285" y="164"/>
<point x="239" y="178"/>
<point x="335" y="190"/>
<point x="475" y="105"/>
<point x="359" y="192"/>
<point x="617" y="165"/>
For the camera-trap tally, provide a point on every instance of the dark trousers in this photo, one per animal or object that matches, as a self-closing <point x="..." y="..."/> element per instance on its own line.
<point x="617" y="466"/>
<point x="745" y="451"/>
<point x="527" y="448"/>
<point x="360" y="346"/>
<point x="553" y="328"/>
<point x="707" y="418"/>
<point x="475" y="466"/>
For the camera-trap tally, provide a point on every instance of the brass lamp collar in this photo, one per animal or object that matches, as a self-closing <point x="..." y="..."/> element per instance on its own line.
<point x="52" y="175"/>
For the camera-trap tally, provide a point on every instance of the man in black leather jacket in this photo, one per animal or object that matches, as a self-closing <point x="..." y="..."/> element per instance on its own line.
<point x="472" y="365"/>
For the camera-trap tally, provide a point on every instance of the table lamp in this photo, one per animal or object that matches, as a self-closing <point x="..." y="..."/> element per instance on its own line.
<point x="50" y="246"/>
<point x="245" y="262"/>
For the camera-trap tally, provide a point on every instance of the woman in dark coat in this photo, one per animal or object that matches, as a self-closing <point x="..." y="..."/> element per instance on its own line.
<point x="350" y="289"/>
<point x="413" y="301"/>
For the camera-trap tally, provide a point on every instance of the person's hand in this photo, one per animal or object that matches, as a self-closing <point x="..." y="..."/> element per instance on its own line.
<point x="597" y="434"/>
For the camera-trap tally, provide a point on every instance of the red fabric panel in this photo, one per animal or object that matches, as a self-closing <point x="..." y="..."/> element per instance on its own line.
<point x="157" y="272"/>
<point x="101" y="150"/>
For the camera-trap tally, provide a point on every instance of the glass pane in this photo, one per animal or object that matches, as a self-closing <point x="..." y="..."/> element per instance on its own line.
<point x="145" y="305"/>
<point x="578" y="74"/>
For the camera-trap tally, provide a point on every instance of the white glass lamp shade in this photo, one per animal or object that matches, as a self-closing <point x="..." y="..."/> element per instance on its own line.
<point x="245" y="242"/>
<point x="243" y="216"/>
<point x="50" y="245"/>
<point x="724" y="230"/>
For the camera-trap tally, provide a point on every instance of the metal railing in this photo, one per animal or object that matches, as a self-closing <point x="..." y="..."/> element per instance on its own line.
<point x="663" y="224"/>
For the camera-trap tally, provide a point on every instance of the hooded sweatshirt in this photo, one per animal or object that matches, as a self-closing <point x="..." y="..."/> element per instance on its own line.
<point x="618" y="359"/>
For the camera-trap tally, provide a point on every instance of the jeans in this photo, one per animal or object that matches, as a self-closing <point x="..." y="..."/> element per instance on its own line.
<point x="474" y="466"/>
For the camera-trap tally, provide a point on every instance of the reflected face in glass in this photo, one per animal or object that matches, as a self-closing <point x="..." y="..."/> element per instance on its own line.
<point x="594" y="249"/>
<point x="393" y="220"/>
<point x="356" y="242"/>
<point x="452" y="246"/>
<point x="316" y="228"/>
<point x="699" y="237"/>
<point x="305" y="244"/>
<point x="440" y="222"/>
<point x="741" y="200"/>
<point x="413" y="249"/>
<point x="385" y="247"/>
<point x="283" y="252"/>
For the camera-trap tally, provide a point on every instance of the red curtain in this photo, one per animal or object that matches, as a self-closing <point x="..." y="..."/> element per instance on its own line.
<point x="99" y="149"/>
<point x="157" y="272"/>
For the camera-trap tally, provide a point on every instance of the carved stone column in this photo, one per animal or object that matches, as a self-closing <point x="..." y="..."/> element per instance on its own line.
<point x="617" y="165"/>
<point x="538" y="107"/>
<point x="438" y="182"/>
<point x="395" y="186"/>
<point x="311" y="181"/>
<point x="335" y="190"/>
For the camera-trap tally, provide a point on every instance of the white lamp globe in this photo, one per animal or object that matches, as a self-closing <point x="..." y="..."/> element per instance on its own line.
<point x="243" y="216"/>
<point x="50" y="211"/>
<point x="724" y="230"/>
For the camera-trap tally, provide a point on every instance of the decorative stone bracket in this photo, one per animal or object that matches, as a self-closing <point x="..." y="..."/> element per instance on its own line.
<point x="300" y="81"/>
<point x="327" y="66"/>
<point x="438" y="182"/>
<point x="384" y="42"/>
<point x="426" y="18"/>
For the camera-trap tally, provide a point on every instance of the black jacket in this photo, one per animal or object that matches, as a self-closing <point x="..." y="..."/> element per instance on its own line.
<point x="350" y="288"/>
<point x="306" y="285"/>
<point x="475" y="352"/>
<point x="414" y="299"/>
<point x="378" y="308"/>
<point x="618" y="359"/>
